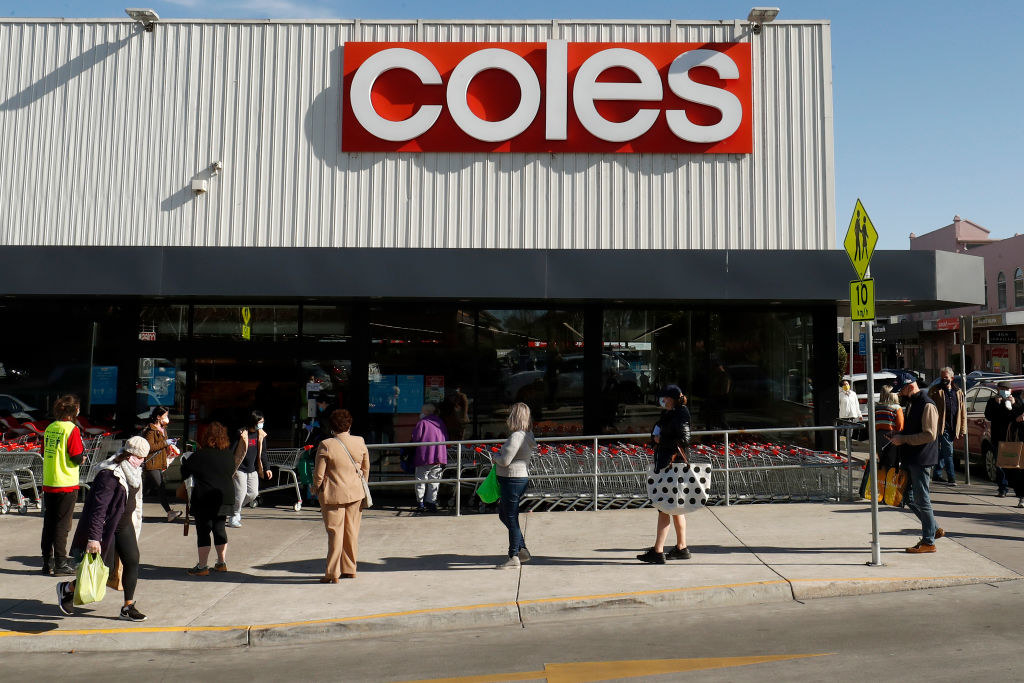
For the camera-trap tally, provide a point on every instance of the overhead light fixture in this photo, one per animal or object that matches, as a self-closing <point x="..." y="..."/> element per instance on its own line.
<point x="146" y="17"/>
<point x="762" y="15"/>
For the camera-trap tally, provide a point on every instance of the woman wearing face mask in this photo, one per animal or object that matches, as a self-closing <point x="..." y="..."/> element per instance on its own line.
<point x="1002" y="411"/>
<point x="161" y="453"/>
<point x="105" y="526"/>
<point x="249" y="464"/>
<point x="670" y="435"/>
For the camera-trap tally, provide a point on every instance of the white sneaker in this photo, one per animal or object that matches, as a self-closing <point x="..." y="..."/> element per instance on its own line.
<point x="235" y="522"/>
<point x="510" y="563"/>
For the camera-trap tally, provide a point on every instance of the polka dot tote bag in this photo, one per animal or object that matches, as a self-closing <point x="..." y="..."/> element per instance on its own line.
<point x="680" y="488"/>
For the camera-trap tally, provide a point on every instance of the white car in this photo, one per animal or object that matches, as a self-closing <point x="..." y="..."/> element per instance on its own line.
<point x="859" y="385"/>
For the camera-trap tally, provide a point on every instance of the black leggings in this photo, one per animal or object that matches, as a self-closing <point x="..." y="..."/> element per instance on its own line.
<point x="127" y="547"/>
<point x="57" y="515"/>
<point x="205" y="525"/>
<point x="156" y="478"/>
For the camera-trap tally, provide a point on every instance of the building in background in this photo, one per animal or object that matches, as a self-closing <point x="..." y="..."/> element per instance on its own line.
<point x="997" y="344"/>
<point x="220" y="215"/>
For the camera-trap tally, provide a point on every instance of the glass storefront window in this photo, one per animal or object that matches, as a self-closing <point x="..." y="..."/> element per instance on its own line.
<point x="163" y="323"/>
<point x="737" y="368"/>
<point x="247" y="323"/>
<point x="161" y="382"/>
<point x="418" y="354"/>
<point x="534" y="357"/>
<point x="326" y="323"/>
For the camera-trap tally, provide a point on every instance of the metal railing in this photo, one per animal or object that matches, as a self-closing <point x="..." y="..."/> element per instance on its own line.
<point x="596" y="440"/>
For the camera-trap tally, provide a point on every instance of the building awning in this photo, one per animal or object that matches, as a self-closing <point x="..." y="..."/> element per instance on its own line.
<point x="905" y="281"/>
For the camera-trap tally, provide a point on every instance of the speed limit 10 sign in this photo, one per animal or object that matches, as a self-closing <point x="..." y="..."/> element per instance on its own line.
<point x="862" y="299"/>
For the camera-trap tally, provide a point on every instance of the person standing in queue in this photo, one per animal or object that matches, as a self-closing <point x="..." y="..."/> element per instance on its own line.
<point x="212" y="469"/>
<point x="513" y="463"/>
<point x="949" y="401"/>
<point x="340" y="461"/>
<point x="1001" y="411"/>
<point x="161" y="453"/>
<point x="670" y="435"/>
<point x="919" y="453"/>
<point x="249" y="466"/>
<point x="63" y="452"/>
<point x="429" y="461"/>
<point x="106" y="527"/>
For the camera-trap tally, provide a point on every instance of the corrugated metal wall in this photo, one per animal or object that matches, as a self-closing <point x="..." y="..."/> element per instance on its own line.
<point x="103" y="128"/>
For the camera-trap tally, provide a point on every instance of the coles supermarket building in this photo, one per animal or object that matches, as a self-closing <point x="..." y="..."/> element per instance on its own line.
<point x="220" y="215"/>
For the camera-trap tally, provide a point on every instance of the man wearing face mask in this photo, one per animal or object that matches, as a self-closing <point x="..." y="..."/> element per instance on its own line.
<point x="1001" y="411"/>
<point x="919" y="452"/>
<point x="949" y="401"/>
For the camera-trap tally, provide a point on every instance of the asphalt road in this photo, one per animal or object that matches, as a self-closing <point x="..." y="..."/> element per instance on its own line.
<point x="949" y="634"/>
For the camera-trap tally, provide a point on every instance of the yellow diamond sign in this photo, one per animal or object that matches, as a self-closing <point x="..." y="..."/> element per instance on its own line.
<point x="860" y="241"/>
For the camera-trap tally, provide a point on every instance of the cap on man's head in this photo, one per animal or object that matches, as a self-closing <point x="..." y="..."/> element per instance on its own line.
<point x="670" y="391"/>
<point x="1003" y="385"/>
<point x="903" y="378"/>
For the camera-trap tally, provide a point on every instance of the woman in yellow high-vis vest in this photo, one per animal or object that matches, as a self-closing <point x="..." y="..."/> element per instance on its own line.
<point x="63" y="451"/>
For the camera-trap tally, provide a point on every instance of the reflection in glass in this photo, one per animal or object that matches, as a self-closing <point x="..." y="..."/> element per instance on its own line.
<point x="737" y="368"/>
<point x="534" y="357"/>
<point x="246" y="323"/>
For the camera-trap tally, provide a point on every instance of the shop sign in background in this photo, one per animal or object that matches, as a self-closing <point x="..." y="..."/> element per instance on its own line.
<point x="1002" y="336"/>
<point x="104" y="385"/>
<point x="494" y="95"/>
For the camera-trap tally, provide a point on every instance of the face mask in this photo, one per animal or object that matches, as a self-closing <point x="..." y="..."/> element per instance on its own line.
<point x="135" y="460"/>
<point x="1005" y="393"/>
<point x="945" y="383"/>
<point x="259" y="425"/>
<point x="663" y="403"/>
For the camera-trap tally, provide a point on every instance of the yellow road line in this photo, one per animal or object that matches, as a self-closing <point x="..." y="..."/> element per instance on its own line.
<point x="468" y="608"/>
<point x="586" y="672"/>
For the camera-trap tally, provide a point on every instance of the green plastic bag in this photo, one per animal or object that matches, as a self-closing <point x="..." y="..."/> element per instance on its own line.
<point x="91" y="579"/>
<point x="488" y="491"/>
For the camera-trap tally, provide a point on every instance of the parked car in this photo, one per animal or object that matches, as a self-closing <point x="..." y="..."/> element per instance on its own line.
<point x="13" y="406"/>
<point x="526" y="385"/>
<point x="859" y="384"/>
<point x="979" y="430"/>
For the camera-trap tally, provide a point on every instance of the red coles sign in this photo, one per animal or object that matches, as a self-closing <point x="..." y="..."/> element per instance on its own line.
<point x="667" y="98"/>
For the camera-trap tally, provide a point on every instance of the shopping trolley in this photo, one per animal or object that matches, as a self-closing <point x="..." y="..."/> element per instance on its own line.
<point x="286" y="462"/>
<point x="17" y="473"/>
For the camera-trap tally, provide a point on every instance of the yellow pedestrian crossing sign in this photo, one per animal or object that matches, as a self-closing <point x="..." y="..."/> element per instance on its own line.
<point x="862" y="299"/>
<point x="860" y="241"/>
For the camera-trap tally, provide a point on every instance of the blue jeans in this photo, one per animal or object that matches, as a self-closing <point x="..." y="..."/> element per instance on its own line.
<point x="945" y="458"/>
<point x="920" y="502"/>
<point x="512" y="489"/>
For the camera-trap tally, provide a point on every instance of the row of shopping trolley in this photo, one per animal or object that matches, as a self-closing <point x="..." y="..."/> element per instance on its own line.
<point x="562" y="474"/>
<point x="21" y="471"/>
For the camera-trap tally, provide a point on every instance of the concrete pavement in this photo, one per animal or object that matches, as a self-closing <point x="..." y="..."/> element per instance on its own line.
<point x="435" y="572"/>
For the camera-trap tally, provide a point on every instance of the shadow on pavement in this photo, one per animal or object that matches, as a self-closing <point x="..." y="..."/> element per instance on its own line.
<point x="27" y="616"/>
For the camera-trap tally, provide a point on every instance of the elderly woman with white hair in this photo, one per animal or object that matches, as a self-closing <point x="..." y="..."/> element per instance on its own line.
<point x="513" y="462"/>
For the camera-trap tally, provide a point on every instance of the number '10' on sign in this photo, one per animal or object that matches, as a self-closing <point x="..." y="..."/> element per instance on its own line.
<point x="862" y="299"/>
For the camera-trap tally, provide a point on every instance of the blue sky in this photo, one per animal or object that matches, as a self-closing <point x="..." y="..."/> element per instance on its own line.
<point x="928" y="101"/>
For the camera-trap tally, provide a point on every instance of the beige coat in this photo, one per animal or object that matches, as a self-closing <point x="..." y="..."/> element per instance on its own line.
<point x="334" y="478"/>
<point x="243" y="446"/>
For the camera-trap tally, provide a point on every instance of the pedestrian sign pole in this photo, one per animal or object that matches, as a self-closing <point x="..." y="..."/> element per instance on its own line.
<point x="860" y="241"/>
